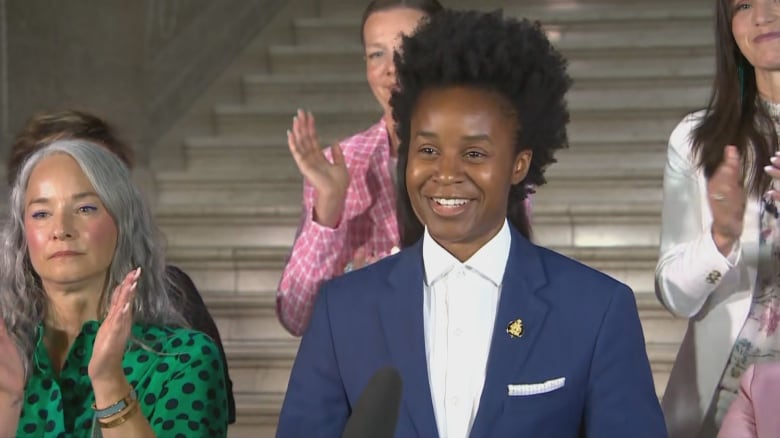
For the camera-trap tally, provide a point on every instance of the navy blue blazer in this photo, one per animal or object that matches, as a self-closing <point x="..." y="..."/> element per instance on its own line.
<point x="578" y="323"/>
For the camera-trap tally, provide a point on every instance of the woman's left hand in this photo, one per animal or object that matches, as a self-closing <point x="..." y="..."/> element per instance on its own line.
<point x="111" y="338"/>
<point x="773" y="170"/>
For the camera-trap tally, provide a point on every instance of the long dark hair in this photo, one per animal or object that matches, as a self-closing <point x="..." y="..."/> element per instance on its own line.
<point x="429" y="7"/>
<point x="510" y="57"/>
<point x="734" y="114"/>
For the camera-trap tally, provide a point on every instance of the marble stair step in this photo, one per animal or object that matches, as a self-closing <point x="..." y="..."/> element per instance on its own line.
<point x="262" y="353"/>
<point x="626" y="128"/>
<point x="636" y="27"/>
<point x="205" y="154"/>
<point x="231" y="269"/>
<point x="634" y="266"/>
<point x="658" y="324"/>
<point x="247" y="316"/>
<point x="627" y="231"/>
<point x="597" y="134"/>
<point x="255" y="269"/>
<point x="554" y="224"/>
<point x="276" y="163"/>
<point x="661" y="357"/>
<point x="257" y="414"/>
<point x="629" y="190"/>
<point x="342" y="120"/>
<point x="647" y="160"/>
<point x="270" y="195"/>
<point x="591" y="95"/>
<point x="600" y="231"/>
<point x="662" y="58"/>
<point x="170" y="214"/>
<point x="255" y="312"/>
<point x="323" y="89"/>
<point x="266" y="165"/>
<point x="560" y="10"/>
<point x="275" y="147"/>
<point x="339" y="122"/>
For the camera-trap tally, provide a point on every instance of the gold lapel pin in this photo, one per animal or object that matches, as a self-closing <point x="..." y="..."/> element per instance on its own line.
<point x="515" y="328"/>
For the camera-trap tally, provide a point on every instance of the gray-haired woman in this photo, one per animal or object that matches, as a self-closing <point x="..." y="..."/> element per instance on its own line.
<point x="89" y="328"/>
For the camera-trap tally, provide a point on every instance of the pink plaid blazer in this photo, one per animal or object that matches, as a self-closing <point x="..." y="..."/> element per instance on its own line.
<point x="368" y="223"/>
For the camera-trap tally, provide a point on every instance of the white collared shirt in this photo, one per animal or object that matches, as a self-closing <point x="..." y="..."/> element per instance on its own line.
<point x="460" y="304"/>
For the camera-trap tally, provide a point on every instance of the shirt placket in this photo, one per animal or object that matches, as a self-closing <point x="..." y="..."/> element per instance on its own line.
<point x="439" y="353"/>
<point x="457" y="401"/>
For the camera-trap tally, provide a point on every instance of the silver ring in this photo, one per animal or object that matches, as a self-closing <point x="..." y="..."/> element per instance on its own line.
<point x="348" y="268"/>
<point x="717" y="197"/>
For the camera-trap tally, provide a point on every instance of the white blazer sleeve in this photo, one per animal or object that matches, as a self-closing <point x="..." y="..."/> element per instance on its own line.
<point x="690" y="266"/>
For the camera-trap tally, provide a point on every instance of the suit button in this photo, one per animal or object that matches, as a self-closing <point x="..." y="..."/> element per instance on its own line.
<point x="713" y="277"/>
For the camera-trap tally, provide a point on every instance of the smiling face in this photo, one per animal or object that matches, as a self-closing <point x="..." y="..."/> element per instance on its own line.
<point x="461" y="165"/>
<point x="755" y="25"/>
<point x="381" y="38"/>
<point x="71" y="236"/>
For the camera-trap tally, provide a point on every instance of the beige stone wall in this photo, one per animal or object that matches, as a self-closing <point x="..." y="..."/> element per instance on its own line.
<point x="140" y="64"/>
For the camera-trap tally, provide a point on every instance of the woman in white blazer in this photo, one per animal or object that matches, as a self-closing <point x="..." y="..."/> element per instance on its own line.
<point x="718" y="229"/>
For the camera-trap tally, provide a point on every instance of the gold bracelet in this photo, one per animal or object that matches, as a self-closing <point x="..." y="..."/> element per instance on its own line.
<point x="122" y="418"/>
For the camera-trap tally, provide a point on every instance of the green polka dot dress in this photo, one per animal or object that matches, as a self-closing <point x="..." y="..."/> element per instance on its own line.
<point x="177" y="374"/>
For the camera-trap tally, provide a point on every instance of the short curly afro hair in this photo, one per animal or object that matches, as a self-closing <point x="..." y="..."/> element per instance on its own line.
<point x="511" y="57"/>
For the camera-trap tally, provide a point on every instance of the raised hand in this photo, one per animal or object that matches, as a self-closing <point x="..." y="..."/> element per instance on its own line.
<point x="330" y="180"/>
<point x="726" y="196"/>
<point x="773" y="170"/>
<point x="111" y="339"/>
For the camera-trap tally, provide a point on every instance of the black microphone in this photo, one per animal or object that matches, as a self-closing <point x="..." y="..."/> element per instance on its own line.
<point x="376" y="412"/>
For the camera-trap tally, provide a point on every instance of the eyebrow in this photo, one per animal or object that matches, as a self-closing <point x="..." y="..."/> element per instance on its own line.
<point x="474" y="137"/>
<point x="375" y="45"/>
<point x="76" y="197"/>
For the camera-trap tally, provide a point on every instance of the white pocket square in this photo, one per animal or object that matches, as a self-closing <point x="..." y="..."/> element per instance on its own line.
<point x="536" y="388"/>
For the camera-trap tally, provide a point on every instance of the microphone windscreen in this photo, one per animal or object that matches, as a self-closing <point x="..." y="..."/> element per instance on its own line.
<point x="375" y="414"/>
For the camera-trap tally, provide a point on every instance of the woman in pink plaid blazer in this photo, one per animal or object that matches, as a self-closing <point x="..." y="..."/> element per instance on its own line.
<point x="349" y="215"/>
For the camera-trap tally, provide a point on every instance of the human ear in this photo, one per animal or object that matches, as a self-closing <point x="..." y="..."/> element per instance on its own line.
<point x="521" y="165"/>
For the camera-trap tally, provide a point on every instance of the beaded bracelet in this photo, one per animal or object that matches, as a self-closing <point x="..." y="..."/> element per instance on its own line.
<point x="122" y="418"/>
<point x="117" y="407"/>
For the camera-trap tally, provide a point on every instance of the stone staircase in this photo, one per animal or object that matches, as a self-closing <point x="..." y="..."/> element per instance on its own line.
<point x="231" y="214"/>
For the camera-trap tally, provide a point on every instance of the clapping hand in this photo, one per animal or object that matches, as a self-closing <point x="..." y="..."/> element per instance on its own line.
<point x="330" y="180"/>
<point x="111" y="339"/>
<point x="773" y="170"/>
<point x="726" y="197"/>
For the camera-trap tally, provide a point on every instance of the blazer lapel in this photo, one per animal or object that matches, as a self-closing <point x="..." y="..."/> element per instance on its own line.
<point x="402" y="319"/>
<point x="523" y="277"/>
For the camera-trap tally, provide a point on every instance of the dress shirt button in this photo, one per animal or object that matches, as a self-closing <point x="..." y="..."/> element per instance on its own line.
<point x="454" y="400"/>
<point x="458" y="332"/>
<point x="713" y="277"/>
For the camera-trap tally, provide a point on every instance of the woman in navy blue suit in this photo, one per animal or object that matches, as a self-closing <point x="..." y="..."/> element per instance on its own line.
<point x="492" y="335"/>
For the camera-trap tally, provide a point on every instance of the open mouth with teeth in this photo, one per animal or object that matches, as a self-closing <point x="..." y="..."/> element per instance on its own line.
<point x="450" y="202"/>
<point x="449" y="206"/>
